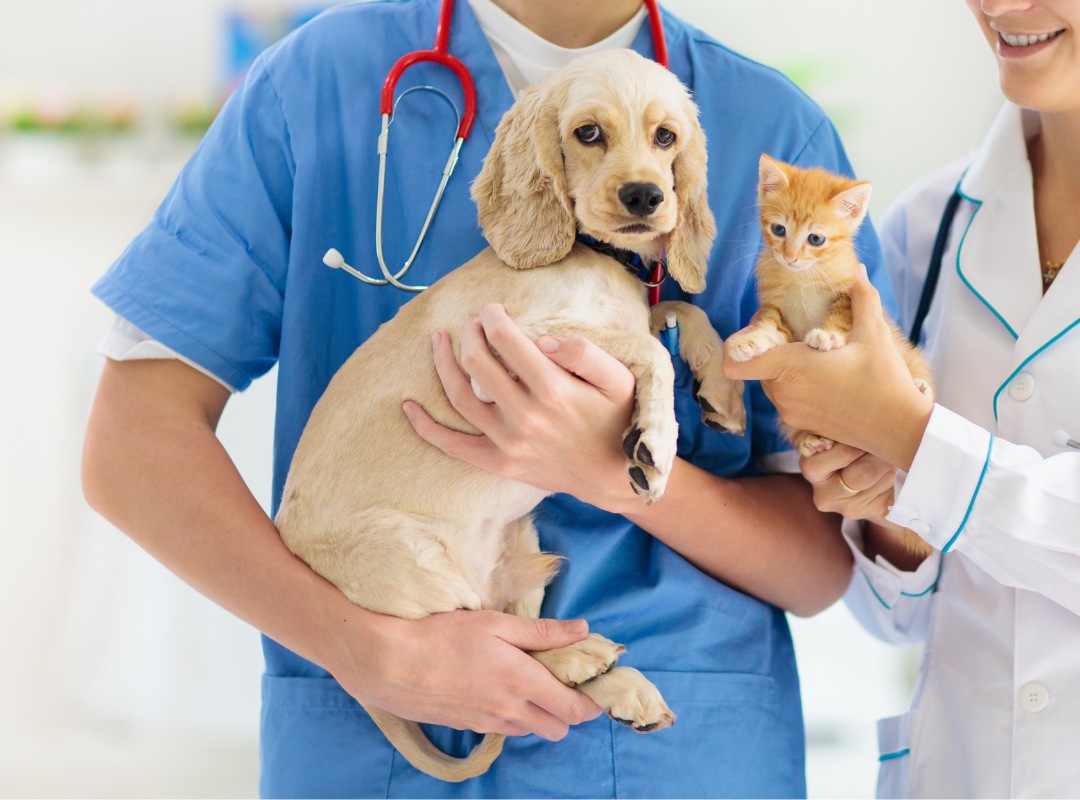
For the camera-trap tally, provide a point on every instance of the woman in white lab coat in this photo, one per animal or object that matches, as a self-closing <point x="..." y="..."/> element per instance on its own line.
<point x="990" y="474"/>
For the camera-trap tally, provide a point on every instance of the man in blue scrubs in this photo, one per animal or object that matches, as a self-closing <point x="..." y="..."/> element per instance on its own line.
<point x="228" y="280"/>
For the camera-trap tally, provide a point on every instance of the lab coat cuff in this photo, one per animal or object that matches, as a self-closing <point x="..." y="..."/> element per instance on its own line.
<point x="939" y="492"/>
<point x="773" y="463"/>
<point x="887" y="582"/>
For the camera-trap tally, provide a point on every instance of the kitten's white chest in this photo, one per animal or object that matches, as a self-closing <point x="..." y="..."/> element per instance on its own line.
<point x="806" y="309"/>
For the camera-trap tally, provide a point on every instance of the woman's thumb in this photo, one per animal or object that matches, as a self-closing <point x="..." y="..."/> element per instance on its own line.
<point x="865" y="300"/>
<point x="543" y="634"/>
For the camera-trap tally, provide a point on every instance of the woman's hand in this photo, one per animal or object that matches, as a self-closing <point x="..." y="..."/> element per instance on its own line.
<point x="861" y="393"/>
<point x="559" y="409"/>
<point x="850" y="482"/>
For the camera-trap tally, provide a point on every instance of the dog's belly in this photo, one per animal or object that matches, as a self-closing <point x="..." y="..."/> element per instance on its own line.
<point x="361" y="476"/>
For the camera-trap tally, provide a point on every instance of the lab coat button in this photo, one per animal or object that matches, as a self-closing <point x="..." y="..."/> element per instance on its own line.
<point x="1034" y="697"/>
<point x="1022" y="387"/>
<point x="919" y="527"/>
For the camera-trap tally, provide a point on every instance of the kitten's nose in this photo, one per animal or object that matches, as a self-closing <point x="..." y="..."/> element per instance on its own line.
<point x="641" y="199"/>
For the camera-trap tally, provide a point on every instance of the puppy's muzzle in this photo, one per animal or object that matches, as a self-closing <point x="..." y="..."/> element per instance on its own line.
<point x="641" y="199"/>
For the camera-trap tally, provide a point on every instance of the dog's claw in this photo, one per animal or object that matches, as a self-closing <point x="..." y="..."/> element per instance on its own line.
<point x="716" y="426"/>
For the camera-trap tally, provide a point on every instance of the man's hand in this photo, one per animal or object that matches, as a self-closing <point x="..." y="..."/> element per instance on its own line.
<point x="467" y="670"/>
<point x="558" y="413"/>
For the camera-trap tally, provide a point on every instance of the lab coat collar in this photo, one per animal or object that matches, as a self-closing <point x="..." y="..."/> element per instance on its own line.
<point x="998" y="257"/>
<point x="998" y="253"/>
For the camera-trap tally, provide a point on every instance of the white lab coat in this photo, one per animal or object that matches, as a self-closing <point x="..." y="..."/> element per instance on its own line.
<point x="996" y="710"/>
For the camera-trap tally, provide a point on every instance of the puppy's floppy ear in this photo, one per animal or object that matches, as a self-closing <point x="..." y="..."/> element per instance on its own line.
<point x="689" y="245"/>
<point x="521" y="192"/>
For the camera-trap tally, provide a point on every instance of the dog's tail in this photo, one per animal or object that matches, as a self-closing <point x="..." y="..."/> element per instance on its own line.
<point x="411" y="742"/>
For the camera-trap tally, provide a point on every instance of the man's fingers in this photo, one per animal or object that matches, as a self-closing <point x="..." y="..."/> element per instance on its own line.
<point x="485" y="370"/>
<point x="464" y="446"/>
<point x="593" y="365"/>
<point x="455" y="382"/>
<point x="541" y="634"/>
<point x="516" y="349"/>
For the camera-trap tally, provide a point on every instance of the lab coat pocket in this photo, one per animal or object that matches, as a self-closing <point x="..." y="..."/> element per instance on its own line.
<point x="894" y="759"/>
<point x="731" y="738"/>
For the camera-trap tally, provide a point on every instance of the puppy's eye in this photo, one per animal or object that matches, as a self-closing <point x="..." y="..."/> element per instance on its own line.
<point x="778" y="229"/>
<point x="664" y="137"/>
<point x="816" y="239"/>
<point x="589" y="134"/>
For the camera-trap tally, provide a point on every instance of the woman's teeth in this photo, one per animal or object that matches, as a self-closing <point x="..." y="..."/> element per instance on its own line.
<point x="1025" y="39"/>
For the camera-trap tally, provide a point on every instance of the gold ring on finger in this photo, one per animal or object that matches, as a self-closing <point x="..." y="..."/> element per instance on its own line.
<point x="844" y="486"/>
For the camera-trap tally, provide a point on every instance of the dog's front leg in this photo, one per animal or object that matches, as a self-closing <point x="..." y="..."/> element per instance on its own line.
<point x="720" y="398"/>
<point x="651" y="439"/>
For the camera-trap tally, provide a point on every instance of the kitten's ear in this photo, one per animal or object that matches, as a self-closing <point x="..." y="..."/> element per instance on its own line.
<point x="770" y="177"/>
<point x="853" y="203"/>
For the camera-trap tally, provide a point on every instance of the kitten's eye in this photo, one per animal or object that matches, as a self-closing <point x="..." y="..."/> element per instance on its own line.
<point x="589" y="134"/>
<point x="816" y="239"/>
<point x="664" y="137"/>
<point x="778" y="229"/>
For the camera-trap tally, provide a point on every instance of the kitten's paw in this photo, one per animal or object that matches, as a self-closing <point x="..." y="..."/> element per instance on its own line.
<point x="812" y="444"/>
<point x="823" y="339"/>
<point x="753" y="342"/>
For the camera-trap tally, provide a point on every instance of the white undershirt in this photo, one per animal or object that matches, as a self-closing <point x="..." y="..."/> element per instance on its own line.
<point x="525" y="58"/>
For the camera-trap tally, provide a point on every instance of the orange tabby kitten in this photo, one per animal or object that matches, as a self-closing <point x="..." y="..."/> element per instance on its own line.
<point x="809" y="218"/>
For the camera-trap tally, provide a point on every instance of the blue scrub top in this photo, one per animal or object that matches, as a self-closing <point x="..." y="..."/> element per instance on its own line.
<point x="229" y="273"/>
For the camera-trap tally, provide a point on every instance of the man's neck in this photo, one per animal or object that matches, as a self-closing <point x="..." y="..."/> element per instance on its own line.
<point x="571" y="23"/>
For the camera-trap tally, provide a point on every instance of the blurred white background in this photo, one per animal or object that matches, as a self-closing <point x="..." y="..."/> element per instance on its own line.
<point x="116" y="680"/>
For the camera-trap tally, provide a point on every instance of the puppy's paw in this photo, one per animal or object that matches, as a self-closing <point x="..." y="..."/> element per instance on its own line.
<point x="650" y="452"/>
<point x="810" y="444"/>
<point x="825" y="339"/>
<point x="720" y="398"/>
<point x="582" y="661"/>
<point x="753" y="342"/>
<point x="629" y="698"/>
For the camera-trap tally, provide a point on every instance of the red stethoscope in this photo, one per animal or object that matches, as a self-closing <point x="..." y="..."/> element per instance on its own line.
<point x="441" y="55"/>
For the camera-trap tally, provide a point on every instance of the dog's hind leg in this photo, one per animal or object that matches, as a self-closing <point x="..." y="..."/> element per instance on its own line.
<point x="576" y="663"/>
<point x="392" y="563"/>
<point x="721" y="399"/>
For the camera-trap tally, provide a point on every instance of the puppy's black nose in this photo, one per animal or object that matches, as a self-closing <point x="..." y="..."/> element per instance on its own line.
<point x="641" y="199"/>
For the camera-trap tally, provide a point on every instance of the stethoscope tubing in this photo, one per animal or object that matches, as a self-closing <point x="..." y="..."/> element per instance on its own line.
<point x="440" y="55"/>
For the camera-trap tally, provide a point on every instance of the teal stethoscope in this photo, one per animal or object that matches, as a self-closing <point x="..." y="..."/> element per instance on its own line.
<point x="440" y="55"/>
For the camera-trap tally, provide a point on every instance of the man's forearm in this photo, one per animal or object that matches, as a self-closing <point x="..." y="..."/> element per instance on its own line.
<point x="760" y="535"/>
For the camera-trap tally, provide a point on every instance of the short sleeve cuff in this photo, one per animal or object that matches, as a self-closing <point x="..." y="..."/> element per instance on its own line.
<point x="942" y="486"/>
<point x="888" y="583"/>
